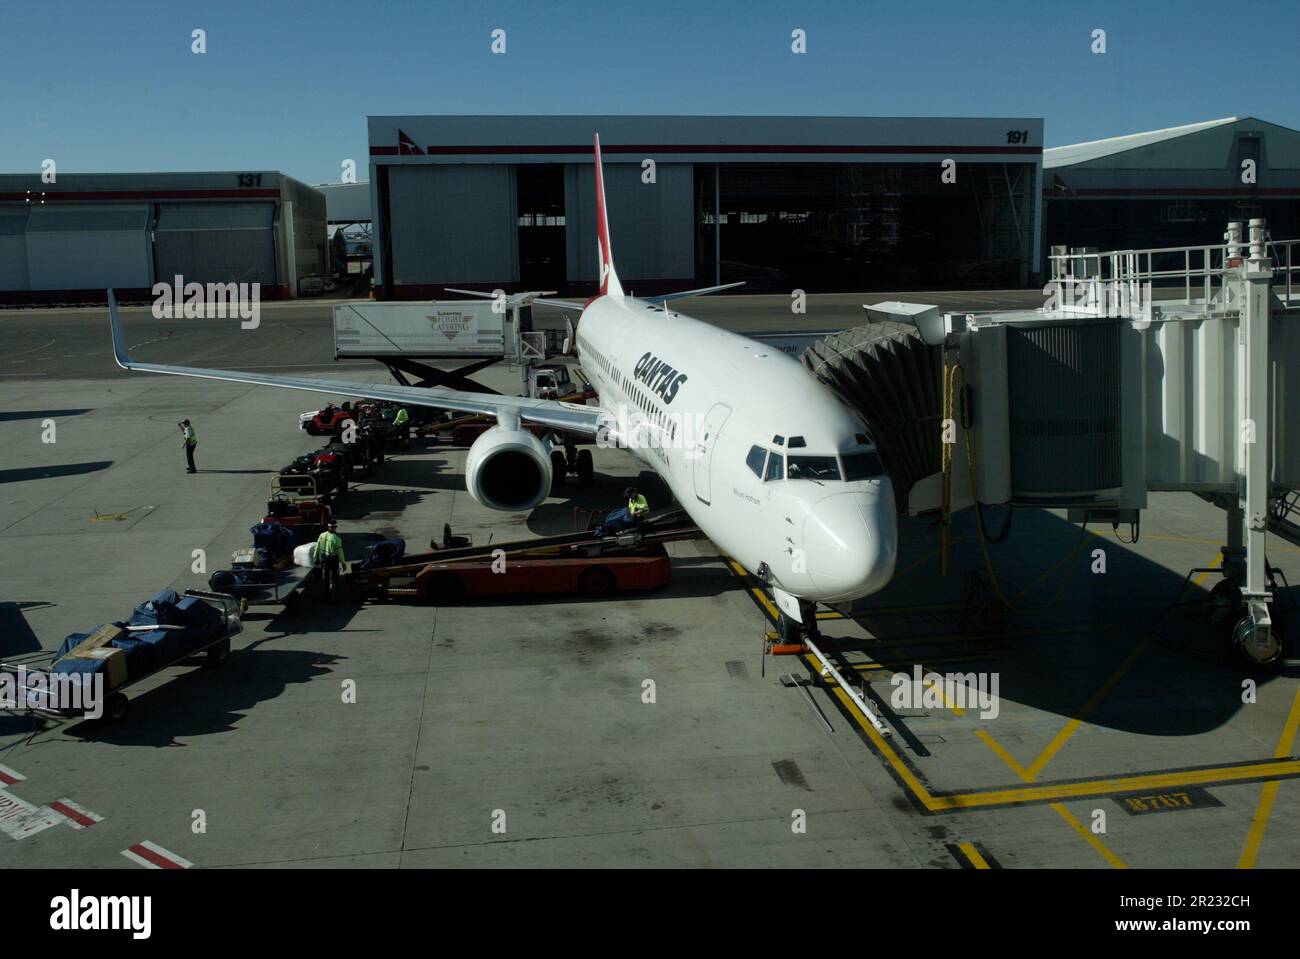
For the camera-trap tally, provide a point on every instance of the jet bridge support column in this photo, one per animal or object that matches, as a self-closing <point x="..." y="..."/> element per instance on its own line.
<point x="1254" y="632"/>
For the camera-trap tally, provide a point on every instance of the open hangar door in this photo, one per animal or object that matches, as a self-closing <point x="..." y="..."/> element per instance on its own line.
<point x="652" y="225"/>
<point x="86" y="248"/>
<point x="453" y="224"/>
<point x="216" y="242"/>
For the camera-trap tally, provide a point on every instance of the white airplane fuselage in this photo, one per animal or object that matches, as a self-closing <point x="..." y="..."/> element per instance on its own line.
<point x="707" y="410"/>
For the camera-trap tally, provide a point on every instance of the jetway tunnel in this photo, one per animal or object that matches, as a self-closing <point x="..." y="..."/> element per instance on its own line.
<point x="1101" y="396"/>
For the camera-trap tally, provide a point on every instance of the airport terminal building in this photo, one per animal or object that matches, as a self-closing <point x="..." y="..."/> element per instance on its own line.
<point x="70" y="240"/>
<point x="817" y="203"/>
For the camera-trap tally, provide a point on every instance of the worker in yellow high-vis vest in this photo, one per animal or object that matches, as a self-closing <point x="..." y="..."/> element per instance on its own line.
<point x="329" y="557"/>
<point x="190" y="441"/>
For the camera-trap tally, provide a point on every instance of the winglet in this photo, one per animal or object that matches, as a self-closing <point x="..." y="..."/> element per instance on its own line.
<point x="119" y="345"/>
<point x="609" y="284"/>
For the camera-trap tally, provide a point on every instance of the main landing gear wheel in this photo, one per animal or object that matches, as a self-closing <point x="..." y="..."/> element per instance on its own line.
<point x="586" y="469"/>
<point x="559" y="469"/>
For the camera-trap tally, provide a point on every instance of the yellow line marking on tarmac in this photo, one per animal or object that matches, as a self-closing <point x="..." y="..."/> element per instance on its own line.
<point x="968" y="849"/>
<point x="1274" y="547"/>
<point x="1052" y="793"/>
<point x="1268" y="795"/>
<point x="893" y="664"/>
<point x="1076" y="721"/>
<point x="1089" y="837"/>
<point x="1046" y="792"/>
<point x="1005" y="756"/>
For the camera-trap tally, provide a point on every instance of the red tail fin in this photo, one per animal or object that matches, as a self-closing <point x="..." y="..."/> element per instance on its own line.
<point x="609" y="284"/>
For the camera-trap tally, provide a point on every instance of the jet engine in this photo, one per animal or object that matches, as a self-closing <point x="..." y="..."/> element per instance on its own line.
<point x="508" y="469"/>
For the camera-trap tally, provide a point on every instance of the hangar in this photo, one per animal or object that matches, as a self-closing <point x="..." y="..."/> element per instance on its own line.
<point x="1173" y="187"/>
<point x="780" y="202"/>
<point x="71" y="239"/>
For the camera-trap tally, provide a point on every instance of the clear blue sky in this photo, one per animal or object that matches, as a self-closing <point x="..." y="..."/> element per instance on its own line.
<point x="103" y="86"/>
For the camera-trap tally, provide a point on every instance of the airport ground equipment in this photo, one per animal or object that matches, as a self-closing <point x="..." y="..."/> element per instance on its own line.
<point x="329" y="471"/>
<point x="295" y="503"/>
<point x="161" y="633"/>
<point x="1145" y="370"/>
<point x="569" y="562"/>
<point x="403" y="334"/>
<point x="253" y="586"/>
<point x="265" y="574"/>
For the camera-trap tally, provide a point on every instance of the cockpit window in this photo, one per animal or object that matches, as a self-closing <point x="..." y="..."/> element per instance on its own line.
<point x="812" y="467"/>
<point x="775" y="468"/>
<point x="755" y="460"/>
<point x="861" y="466"/>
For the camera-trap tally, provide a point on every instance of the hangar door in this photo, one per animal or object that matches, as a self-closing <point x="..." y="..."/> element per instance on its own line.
<point x="652" y="225"/>
<point x="89" y="247"/>
<point x="453" y="224"/>
<point x="216" y="242"/>
<point x="13" y="248"/>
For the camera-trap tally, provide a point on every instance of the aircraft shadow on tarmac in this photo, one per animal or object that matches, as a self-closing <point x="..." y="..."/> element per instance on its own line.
<point x="1072" y="631"/>
<point x="419" y="474"/>
<point x="12" y="415"/>
<point x="50" y="472"/>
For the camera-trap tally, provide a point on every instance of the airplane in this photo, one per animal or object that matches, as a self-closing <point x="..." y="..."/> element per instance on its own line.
<point x="772" y="467"/>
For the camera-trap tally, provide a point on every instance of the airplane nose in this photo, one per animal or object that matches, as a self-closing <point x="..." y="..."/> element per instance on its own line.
<point x="851" y="543"/>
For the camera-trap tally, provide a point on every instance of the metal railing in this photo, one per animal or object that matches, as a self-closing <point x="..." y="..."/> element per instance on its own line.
<point x="1165" y="267"/>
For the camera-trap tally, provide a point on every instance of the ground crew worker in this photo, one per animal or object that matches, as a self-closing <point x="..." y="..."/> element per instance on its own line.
<point x="400" y="422"/>
<point x="329" y="556"/>
<point x="190" y="442"/>
<point x="624" y="517"/>
<point x="636" y="504"/>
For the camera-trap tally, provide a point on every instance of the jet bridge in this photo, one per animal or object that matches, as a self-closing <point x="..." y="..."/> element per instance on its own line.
<point x="1146" y="370"/>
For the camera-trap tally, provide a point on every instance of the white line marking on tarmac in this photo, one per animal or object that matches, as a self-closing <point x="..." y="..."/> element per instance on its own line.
<point x="78" y="817"/>
<point x="152" y="856"/>
<point x="10" y="776"/>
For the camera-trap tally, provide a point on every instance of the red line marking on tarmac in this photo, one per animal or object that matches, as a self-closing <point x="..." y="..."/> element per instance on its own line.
<point x="10" y="776"/>
<point x="78" y="816"/>
<point x="152" y="856"/>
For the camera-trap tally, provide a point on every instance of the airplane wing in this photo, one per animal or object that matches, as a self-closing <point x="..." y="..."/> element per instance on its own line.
<point x="526" y="299"/>
<point x="683" y="294"/>
<point x="561" y="416"/>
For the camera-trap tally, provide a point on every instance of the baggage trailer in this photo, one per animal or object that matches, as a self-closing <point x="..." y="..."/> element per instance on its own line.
<point x="268" y="587"/>
<point x="451" y="582"/>
<point x="632" y="559"/>
<point x="34" y="697"/>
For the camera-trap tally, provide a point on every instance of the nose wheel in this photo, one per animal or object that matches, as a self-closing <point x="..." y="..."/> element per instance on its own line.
<point x="793" y="632"/>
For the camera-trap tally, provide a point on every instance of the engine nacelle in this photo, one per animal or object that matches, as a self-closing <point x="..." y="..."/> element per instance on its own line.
<point x="508" y="470"/>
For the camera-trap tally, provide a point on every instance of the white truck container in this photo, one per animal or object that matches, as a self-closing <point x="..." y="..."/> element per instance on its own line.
<point x="425" y="330"/>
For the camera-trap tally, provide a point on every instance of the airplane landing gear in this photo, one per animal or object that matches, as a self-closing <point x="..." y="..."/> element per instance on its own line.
<point x="792" y="632"/>
<point x="572" y="462"/>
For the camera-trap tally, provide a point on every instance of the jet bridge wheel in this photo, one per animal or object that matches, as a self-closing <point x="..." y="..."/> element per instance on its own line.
<point x="1232" y="624"/>
<point x="1259" y="646"/>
